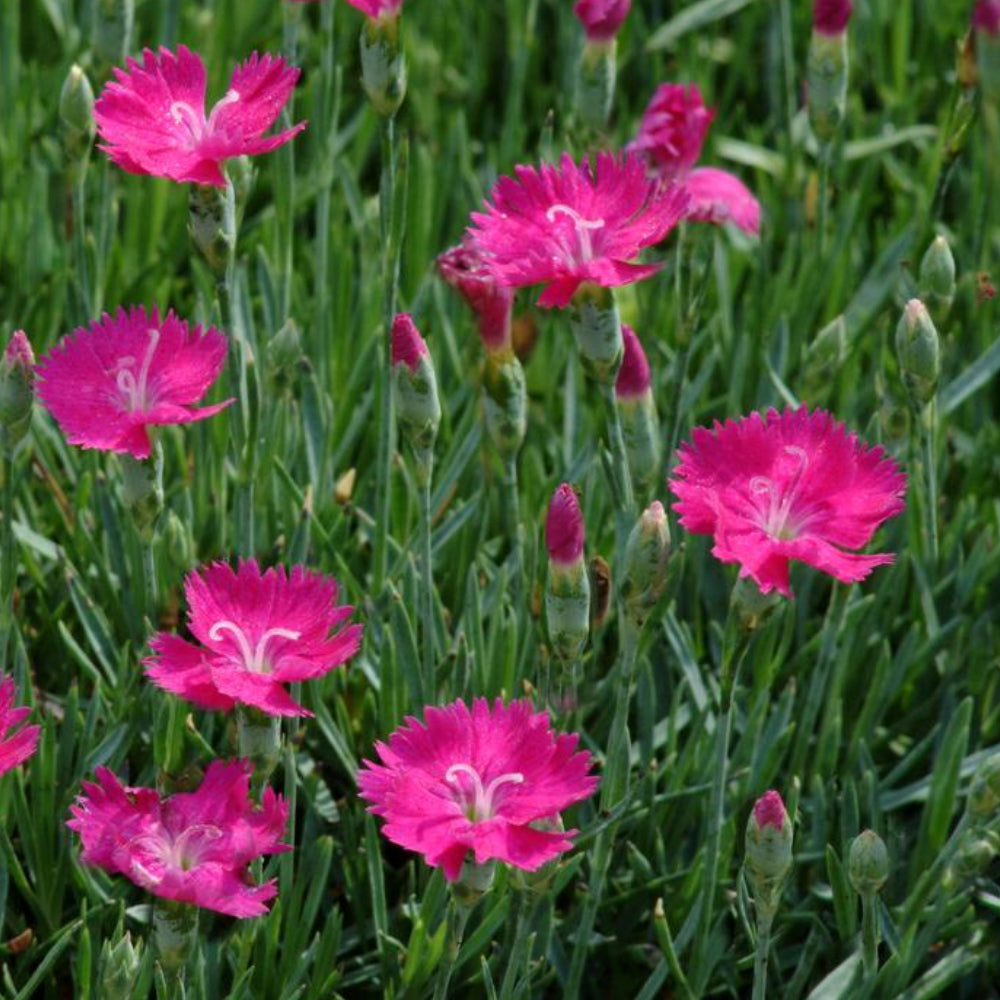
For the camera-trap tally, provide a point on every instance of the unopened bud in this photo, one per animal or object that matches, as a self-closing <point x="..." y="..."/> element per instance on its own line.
<point x="868" y="863"/>
<point x="567" y="596"/>
<point x="283" y="355"/>
<point x="76" y="117"/>
<point x="601" y="19"/>
<point x="539" y="881"/>
<point x="637" y="411"/>
<point x="768" y="846"/>
<point x="986" y="26"/>
<point x="17" y="390"/>
<point x="830" y="17"/>
<point x="112" y="29"/>
<point x="976" y="852"/>
<point x="178" y="545"/>
<point x="919" y="354"/>
<point x="827" y="72"/>
<point x="826" y="354"/>
<point x="937" y="278"/>
<point x="473" y="882"/>
<point x="465" y="269"/>
<point x="142" y="491"/>
<point x="212" y="224"/>
<point x="984" y="793"/>
<point x="750" y="605"/>
<point x="120" y="965"/>
<point x="418" y="408"/>
<point x="597" y="329"/>
<point x="383" y="64"/>
<point x="506" y="402"/>
<point x="595" y="83"/>
<point x="646" y="555"/>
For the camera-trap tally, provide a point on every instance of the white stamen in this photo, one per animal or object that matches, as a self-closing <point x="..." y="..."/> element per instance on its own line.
<point x="136" y="391"/>
<point x="231" y="97"/>
<point x="253" y="659"/>
<point x="584" y="227"/>
<point x="779" y="508"/>
<point x="181" y="853"/>
<point x="482" y="805"/>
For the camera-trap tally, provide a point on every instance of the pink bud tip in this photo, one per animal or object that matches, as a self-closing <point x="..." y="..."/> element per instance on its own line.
<point x="408" y="346"/>
<point x="564" y="526"/>
<point x="986" y="17"/>
<point x="465" y="269"/>
<point x="601" y="19"/>
<point x="19" y="353"/>
<point x="769" y="810"/>
<point x="633" y="376"/>
<point x="830" y="17"/>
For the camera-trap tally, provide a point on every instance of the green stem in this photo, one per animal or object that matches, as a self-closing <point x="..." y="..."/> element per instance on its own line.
<point x="928" y="428"/>
<point x="615" y="783"/>
<point x="427" y="593"/>
<point x="458" y="917"/>
<point x="387" y="426"/>
<point x="149" y="579"/>
<point x="8" y="571"/>
<point x="285" y="203"/>
<point x="822" y="198"/>
<point x="764" y="922"/>
<point x="682" y="361"/>
<point x="624" y="496"/>
<point x="598" y="875"/>
<point x="516" y="957"/>
<point x="80" y="240"/>
<point x="869" y="934"/>
<point x="512" y="515"/>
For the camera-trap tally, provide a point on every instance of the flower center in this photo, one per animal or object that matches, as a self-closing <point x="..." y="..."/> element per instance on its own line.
<point x="776" y="515"/>
<point x="476" y="802"/>
<point x="254" y="659"/>
<point x="136" y="391"/>
<point x="169" y="853"/>
<point x="582" y="228"/>
<point x="198" y="129"/>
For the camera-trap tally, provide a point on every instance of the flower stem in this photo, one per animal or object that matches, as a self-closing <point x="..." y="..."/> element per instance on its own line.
<point x="149" y="579"/>
<point x="427" y="593"/>
<point x="764" y="922"/>
<point x="258" y="739"/>
<point x="822" y="199"/>
<point x="869" y="934"/>
<point x="458" y="917"/>
<point x="80" y="242"/>
<point x="8" y="571"/>
<point x="928" y="428"/>
<point x="516" y="956"/>
<point x="624" y="496"/>
<point x="387" y="422"/>
<point x="615" y="783"/>
<point x="600" y="863"/>
<point x="512" y="515"/>
<point x="175" y="926"/>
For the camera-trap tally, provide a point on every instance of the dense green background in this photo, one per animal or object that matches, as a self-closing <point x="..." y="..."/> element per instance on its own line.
<point x="490" y="85"/>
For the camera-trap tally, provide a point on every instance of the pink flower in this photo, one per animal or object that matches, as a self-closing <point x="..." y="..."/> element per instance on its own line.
<point x="152" y="116"/>
<point x="257" y="632"/>
<point x="986" y="17"/>
<point x="769" y="810"/>
<point x="484" y="781"/>
<point x="564" y="526"/>
<point x="192" y="847"/>
<point x="830" y="17"/>
<point x="671" y="137"/>
<point x="408" y="346"/>
<point x="633" y="376"/>
<point x="567" y="225"/>
<point x="15" y="746"/>
<point x="105" y="385"/>
<point x="784" y="486"/>
<point x="601" y="19"/>
<point x="377" y="8"/>
<point x="466" y="269"/>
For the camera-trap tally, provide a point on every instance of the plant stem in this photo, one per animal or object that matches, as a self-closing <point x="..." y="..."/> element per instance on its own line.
<point x="8" y="572"/>
<point x="458" y="917"/>
<point x="387" y="425"/>
<point x="764" y="922"/>
<point x="512" y="515"/>
<point x="516" y="957"/>
<point x="869" y="934"/>
<point x="80" y="241"/>
<point x="928" y="427"/>
<point x="822" y="197"/>
<point x="427" y="593"/>
<point x="615" y="783"/>
<point x="598" y="875"/>
<point x="149" y="579"/>
<point x="624" y="496"/>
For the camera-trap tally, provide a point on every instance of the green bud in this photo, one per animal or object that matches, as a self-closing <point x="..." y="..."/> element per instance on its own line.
<point x="418" y="407"/>
<point x="567" y="609"/>
<point x="768" y="851"/>
<point x="827" y="72"/>
<point x="826" y="354"/>
<point x="120" y="965"/>
<point x="868" y="863"/>
<point x="76" y="117"/>
<point x="258" y="739"/>
<point x="178" y="545"/>
<point x="17" y="390"/>
<point x="383" y="65"/>
<point x="597" y="329"/>
<point x="112" y="29"/>
<point x="595" y="83"/>
<point x="212" y="225"/>
<point x="984" y="793"/>
<point x="937" y="278"/>
<point x="142" y="491"/>
<point x="473" y="882"/>
<point x="505" y="401"/>
<point x="919" y="354"/>
<point x="646" y="555"/>
<point x="641" y="433"/>
<point x="750" y="605"/>
<point x="283" y="355"/>
<point x="175" y="928"/>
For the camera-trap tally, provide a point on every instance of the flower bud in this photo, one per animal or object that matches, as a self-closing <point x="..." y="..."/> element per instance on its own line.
<point x="937" y="278"/>
<point x="646" y="555"/>
<point x="76" y="117"/>
<point x="868" y="863"/>
<point x="383" y="64"/>
<point x="506" y="402"/>
<point x="178" y="544"/>
<point x="175" y="928"/>
<point x="918" y="353"/>
<point x="120" y="965"/>
<point x="465" y="269"/>
<point x="473" y="882"/>
<point x="984" y="793"/>
<point x="750" y="605"/>
<point x="827" y="71"/>
<point x="826" y="354"/>
<point x="283" y="355"/>
<point x="976" y="852"/>
<point x="142" y="491"/>
<point x="986" y="26"/>
<point x="595" y="83"/>
<point x="830" y="17"/>
<point x="637" y="411"/>
<point x="112" y="29"/>
<point x="17" y="390"/>
<point x="768" y="846"/>
<point x="212" y="225"/>
<point x="601" y="19"/>
<point x="567" y="597"/>
<point x="418" y="408"/>
<point x="598" y="332"/>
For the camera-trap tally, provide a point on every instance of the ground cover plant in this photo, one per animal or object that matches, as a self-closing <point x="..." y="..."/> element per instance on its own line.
<point x="499" y="499"/>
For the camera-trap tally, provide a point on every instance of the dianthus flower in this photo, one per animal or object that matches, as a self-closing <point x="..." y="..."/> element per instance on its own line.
<point x="601" y="19"/>
<point x="15" y="746"/>
<point x="792" y="485"/>
<point x="107" y="383"/>
<point x="484" y="780"/>
<point x="573" y="224"/>
<point x="192" y="847"/>
<point x="377" y="8"/>
<point x="466" y="269"/>
<point x="671" y="137"/>
<point x="564" y="526"/>
<point x="830" y="17"/>
<point x="152" y="120"/>
<point x="256" y="632"/>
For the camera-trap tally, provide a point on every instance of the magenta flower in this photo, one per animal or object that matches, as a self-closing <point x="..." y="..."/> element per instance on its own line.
<point x="466" y="269"/>
<point x="152" y="116"/>
<point x="564" y="527"/>
<point x="257" y="632"/>
<point x="830" y="17"/>
<point x="793" y="485"/>
<point x="601" y="19"/>
<point x="633" y="376"/>
<point x="573" y="224"/>
<point x="192" y="847"/>
<point x="986" y="17"/>
<point x="377" y="8"/>
<point x="408" y="347"/>
<point x="16" y="744"/>
<point x="671" y="137"/>
<point x="107" y="384"/>
<point x="484" y="781"/>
